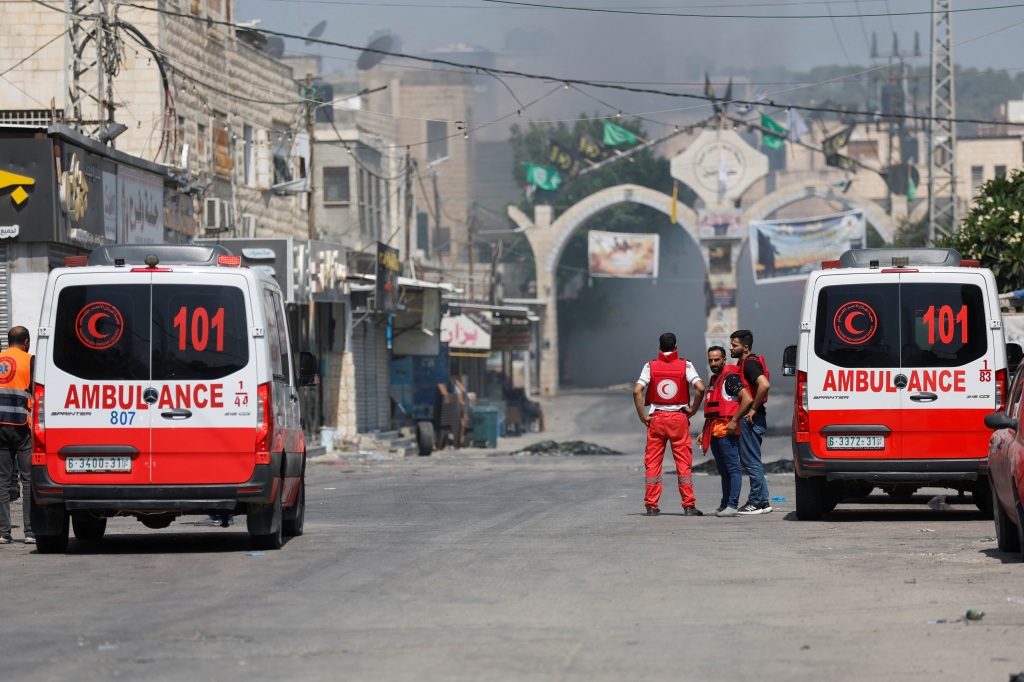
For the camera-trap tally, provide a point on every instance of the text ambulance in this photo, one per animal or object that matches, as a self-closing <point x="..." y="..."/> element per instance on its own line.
<point x="900" y="357"/>
<point x="165" y="386"/>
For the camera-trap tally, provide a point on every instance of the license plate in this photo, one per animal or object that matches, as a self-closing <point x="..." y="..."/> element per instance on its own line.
<point x="855" y="442"/>
<point x="79" y="465"/>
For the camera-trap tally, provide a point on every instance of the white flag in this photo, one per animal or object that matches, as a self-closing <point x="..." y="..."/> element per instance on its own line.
<point x="797" y="125"/>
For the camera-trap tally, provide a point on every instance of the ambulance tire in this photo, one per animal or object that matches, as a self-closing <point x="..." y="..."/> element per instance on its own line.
<point x="981" y="493"/>
<point x="295" y="518"/>
<point x="51" y="525"/>
<point x="88" y="528"/>
<point x="1007" y="538"/>
<point x="424" y="438"/>
<point x="833" y="495"/>
<point x="810" y="498"/>
<point x="269" y="516"/>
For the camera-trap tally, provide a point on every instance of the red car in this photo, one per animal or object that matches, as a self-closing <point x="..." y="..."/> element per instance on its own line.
<point x="1006" y="468"/>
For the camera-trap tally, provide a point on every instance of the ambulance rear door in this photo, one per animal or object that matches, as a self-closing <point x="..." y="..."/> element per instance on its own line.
<point x="948" y="357"/>
<point x="204" y="378"/>
<point x="95" y="361"/>
<point x="853" y="404"/>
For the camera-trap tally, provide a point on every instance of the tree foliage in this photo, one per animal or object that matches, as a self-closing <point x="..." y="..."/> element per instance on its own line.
<point x="991" y="232"/>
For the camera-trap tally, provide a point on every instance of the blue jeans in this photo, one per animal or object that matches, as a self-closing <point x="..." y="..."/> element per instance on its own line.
<point x="750" y="456"/>
<point x="727" y="456"/>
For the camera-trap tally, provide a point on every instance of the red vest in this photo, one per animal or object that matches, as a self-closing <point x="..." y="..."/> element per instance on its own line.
<point x="764" y="368"/>
<point x="718" y="405"/>
<point x="668" y="382"/>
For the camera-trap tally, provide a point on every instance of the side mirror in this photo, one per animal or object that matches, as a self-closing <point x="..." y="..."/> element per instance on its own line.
<point x="789" y="361"/>
<point x="308" y="376"/>
<point x="999" y="420"/>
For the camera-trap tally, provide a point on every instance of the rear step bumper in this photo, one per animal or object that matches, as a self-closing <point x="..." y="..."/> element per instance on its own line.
<point x="923" y="471"/>
<point x="260" y="489"/>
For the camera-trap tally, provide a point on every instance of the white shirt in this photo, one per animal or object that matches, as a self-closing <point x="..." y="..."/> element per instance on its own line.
<point x="691" y="377"/>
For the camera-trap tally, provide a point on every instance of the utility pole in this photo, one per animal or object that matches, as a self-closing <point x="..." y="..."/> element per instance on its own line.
<point x="408" y="214"/>
<point x="469" y="247"/>
<point x="310" y="125"/>
<point x="942" y="209"/>
<point x="90" y="62"/>
<point x="437" y="217"/>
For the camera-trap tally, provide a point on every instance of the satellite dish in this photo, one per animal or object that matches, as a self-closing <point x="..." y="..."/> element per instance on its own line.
<point x="372" y="55"/>
<point x="316" y="32"/>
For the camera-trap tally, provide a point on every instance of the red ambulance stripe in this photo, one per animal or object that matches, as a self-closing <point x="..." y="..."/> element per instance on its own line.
<point x="203" y="455"/>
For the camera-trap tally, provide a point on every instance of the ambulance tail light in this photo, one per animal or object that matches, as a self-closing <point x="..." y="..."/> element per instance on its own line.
<point x="801" y="417"/>
<point x="39" y="425"/>
<point x="1000" y="388"/>
<point x="265" y="426"/>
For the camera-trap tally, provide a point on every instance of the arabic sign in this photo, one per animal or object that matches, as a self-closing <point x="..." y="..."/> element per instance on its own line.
<point x="511" y="334"/>
<point x="723" y="223"/>
<point x="28" y="194"/>
<point x="470" y="330"/>
<point x="620" y="254"/>
<point x="388" y="267"/>
<point x="88" y="186"/>
<point x="141" y="207"/>
<point x="786" y="250"/>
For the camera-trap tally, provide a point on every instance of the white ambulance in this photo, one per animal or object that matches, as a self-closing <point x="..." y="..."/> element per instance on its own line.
<point x="900" y="357"/>
<point x="165" y="386"/>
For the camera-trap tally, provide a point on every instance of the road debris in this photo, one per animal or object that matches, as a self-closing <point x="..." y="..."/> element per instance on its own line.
<point x="938" y="503"/>
<point x="1016" y="599"/>
<point x="571" y="448"/>
<point x="974" y="614"/>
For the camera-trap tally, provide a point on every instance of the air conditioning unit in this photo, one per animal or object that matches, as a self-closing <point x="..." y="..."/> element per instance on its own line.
<point x="249" y="226"/>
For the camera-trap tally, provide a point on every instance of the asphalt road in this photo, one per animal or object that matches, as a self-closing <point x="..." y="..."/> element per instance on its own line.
<point x="474" y="565"/>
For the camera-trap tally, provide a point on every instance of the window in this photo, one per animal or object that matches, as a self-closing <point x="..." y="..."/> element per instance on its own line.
<point x="977" y="179"/>
<point x="199" y="332"/>
<point x="858" y="326"/>
<point x="336" y="189"/>
<point x="248" y="156"/>
<point x="277" y="335"/>
<point x="1000" y="170"/>
<point x="222" y="158"/>
<point x="944" y="324"/>
<point x="201" y="145"/>
<point x="280" y="148"/>
<point x="105" y="331"/>
<point x="437" y="139"/>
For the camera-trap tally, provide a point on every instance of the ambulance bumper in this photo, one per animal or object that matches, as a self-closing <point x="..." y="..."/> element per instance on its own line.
<point x="924" y="471"/>
<point x="259" y="489"/>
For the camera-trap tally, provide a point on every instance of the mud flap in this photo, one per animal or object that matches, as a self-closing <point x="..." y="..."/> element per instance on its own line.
<point x="265" y="519"/>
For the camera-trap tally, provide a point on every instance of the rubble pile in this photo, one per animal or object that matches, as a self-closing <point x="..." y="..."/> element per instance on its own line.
<point x="570" y="448"/>
<point x="781" y="466"/>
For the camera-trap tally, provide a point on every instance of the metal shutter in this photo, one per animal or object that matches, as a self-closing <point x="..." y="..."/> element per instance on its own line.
<point x="5" y="292"/>
<point x="370" y="356"/>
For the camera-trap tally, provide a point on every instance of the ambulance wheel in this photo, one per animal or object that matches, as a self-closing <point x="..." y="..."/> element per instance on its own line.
<point x="267" y="517"/>
<point x="1007" y="538"/>
<point x="810" y="498"/>
<point x="87" y="527"/>
<point x="295" y="518"/>
<point x="832" y="495"/>
<point x="983" y="497"/>
<point x="50" y="523"/>
<point x="424" y="438"/>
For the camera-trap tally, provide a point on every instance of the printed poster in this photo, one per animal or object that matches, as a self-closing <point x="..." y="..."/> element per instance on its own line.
<point x="620" y="254"/>
<point x="720" y="223"/>
<point x="786" y="250"/>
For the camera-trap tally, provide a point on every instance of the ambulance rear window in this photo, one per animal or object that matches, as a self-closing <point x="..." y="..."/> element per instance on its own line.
<point x="134" y="332"/>
<point x="858" y="325"/>
<point x="943" y="324"/>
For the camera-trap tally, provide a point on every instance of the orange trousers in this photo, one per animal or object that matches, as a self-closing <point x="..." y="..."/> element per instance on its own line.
<point x="674" y="428"/>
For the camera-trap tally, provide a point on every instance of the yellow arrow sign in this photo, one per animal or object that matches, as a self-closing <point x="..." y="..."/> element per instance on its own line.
<point x="19" y="194"/>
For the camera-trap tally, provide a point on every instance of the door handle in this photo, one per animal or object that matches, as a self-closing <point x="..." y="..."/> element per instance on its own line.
<point x="177" y="413"/>
<point x="924" y="397"/>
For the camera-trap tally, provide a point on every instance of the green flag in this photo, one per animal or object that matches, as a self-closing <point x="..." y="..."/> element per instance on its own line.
<point x="773" y="136"/>
<point x="913" y="178"/>
<point x="542" y="176"/>
<point x="615" y="135"/>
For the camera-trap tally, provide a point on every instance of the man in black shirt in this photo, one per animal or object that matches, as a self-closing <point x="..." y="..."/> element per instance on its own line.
<point x="753" y="425"/>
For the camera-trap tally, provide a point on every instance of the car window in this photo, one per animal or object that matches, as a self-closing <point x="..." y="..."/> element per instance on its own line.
<point x="277" y="335"/>
<point x="858" y="325"/>
<point x="1013" y="403"/>
<point x="943" y="324"/>
<point x="199" y="331"/>
<point x="102" y="331"/>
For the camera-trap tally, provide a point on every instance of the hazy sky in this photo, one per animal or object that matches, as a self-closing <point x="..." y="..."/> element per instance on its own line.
<point x="592" y="45"/>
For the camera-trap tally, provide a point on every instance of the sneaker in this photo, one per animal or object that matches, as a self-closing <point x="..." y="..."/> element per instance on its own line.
<point x="653" y="511"/>
<point x="30" y="539"/>
<point x="692" y="511"/>
<point x="718" y="511"/>
<point x="6" y="539"/>
<point x="749" y="509"/>
<point x="728" y="511"/>
<point x="766" y="508"/>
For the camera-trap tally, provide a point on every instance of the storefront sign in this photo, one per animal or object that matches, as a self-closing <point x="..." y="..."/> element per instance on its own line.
<point x="28" y="194"/>
<point x="141" y="206"/>
<point x="511" y="334"/>
<point x="388" y="267"/>
<point x="470" y="330"/>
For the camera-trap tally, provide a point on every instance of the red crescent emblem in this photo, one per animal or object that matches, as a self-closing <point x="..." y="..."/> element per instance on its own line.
<point x="99" y="325"/>
<point x="843" y="323"/>
<point x="849" y="322"/>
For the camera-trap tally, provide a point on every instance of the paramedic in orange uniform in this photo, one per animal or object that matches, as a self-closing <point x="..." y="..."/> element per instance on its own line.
<point x="15" y="430"/>
<point x="672" y="388"/>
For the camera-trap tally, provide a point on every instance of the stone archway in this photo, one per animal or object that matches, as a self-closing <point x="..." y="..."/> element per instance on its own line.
<point x="548" y="238"/>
